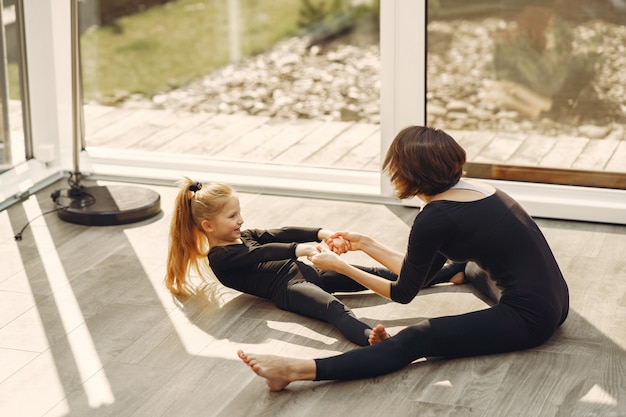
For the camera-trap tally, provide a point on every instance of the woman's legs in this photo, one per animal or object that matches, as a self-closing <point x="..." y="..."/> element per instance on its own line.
<point x="278" y="371"/>
<point x="494" y="330"/>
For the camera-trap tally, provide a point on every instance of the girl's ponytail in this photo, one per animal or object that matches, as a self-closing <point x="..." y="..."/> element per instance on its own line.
<point x="187" y="242"/>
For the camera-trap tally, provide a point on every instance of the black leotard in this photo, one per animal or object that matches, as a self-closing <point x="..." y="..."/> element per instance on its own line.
<point x="265" y="265"/>
<point x="496" y="234"/>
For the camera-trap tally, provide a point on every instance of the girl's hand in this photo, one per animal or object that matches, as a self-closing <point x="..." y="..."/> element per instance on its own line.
<point x="338" y="245"/>
<point x="326" y="259"/>
<point x="304" y="249"/>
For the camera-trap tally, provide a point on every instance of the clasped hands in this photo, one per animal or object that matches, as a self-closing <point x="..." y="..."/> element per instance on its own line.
<point x="327" y="257"/>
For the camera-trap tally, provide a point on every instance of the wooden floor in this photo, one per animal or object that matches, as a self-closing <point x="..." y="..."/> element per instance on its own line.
<point x="87" y="328"/>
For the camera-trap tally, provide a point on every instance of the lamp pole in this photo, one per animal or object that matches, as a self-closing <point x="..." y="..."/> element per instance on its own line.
<point x="97" y="205"/>
<point x="77" y="120"/>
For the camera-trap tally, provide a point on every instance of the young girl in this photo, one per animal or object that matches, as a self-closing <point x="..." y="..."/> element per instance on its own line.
<point x="263" y="263"/>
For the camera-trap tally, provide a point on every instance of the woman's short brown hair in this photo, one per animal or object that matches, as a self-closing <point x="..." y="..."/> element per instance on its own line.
<point x="423" y="160"/>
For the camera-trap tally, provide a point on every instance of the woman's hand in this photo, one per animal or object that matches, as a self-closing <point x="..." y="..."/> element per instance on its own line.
<point x="326" y="259"/>
<point x="353" y="240"/>
<point x="338" y="245"/>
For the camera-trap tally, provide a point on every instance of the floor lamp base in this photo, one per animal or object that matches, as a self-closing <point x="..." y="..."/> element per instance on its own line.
<point x="113" y="205"/>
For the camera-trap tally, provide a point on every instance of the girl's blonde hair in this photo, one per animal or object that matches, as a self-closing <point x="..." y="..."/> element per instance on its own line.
<point x="188" y="244"/>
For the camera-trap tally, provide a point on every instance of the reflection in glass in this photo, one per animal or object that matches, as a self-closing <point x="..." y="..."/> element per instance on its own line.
<point x="530" y="84"/>
<point x="263" y="81"/>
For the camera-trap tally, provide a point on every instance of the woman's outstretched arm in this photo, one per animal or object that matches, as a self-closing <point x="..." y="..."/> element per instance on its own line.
<point x="386" y="256"/>
<point x="327" y="259"/>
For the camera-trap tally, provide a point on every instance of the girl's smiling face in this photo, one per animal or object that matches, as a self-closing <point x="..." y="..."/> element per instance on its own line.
<point x="225" y="227"/>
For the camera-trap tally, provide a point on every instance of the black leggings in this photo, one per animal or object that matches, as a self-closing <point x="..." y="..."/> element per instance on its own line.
<point x="310" y="294"/>
<point x="498" y="329"/>
<point x="481" y="332"/>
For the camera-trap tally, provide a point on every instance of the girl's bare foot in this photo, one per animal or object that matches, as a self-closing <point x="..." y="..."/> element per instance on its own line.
<point x="279" y="371"/>
<point x="458" y="278"/>
<point x="378" y="334"/>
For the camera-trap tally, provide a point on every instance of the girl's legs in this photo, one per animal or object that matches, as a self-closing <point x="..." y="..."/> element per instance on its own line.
<point x="301" y="295"/>
<point x="479" y="279"/>
<point x="470" y="272"/>
<point x="312" y="296"/>
<point x="450" y="272"/>
<point x="379" y="333"/>
<point x="309" y="300"/>
<point x="332" y="282"/>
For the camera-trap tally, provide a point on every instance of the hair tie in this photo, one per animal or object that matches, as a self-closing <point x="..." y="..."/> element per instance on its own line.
<point x="196" y="186"/>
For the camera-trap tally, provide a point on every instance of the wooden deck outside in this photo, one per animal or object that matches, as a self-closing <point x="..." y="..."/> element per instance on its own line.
<point x="350" y="145"/>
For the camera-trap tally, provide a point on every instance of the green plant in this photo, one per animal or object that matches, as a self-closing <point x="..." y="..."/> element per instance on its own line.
<point x="322" y="22"/>
<point x="314" y="13"/>
<point x="170" y="45"/>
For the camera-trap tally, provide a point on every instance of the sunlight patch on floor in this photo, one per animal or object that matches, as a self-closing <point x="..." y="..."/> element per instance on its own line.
<point x="79" y="339"/>
<point x="597" y="395"/>
<point x="227" y="349"/>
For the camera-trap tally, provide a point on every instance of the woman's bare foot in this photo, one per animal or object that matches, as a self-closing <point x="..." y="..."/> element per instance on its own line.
<point x="279" y="371"/>
<point x="458" y="278"/>
<point x="378" y="334"/>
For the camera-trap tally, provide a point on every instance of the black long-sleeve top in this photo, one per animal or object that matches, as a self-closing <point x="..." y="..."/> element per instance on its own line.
<point x="260" y="265"/>
<point x="497" y="234"/>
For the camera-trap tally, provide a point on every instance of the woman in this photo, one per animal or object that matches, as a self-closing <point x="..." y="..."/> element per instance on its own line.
<point x="207" y="221"/>
<point x="462" y="220"/>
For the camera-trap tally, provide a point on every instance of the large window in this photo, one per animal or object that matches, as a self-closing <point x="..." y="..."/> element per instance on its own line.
<point x="275" y="82"/>
<point x="533" y="90"/>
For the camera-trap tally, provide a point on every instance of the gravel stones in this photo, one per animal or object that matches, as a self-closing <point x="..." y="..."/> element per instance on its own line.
<point x="338" y="81"/>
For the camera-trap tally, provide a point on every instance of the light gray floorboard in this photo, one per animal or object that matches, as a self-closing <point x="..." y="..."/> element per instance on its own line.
<point x="88" y="329"/>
